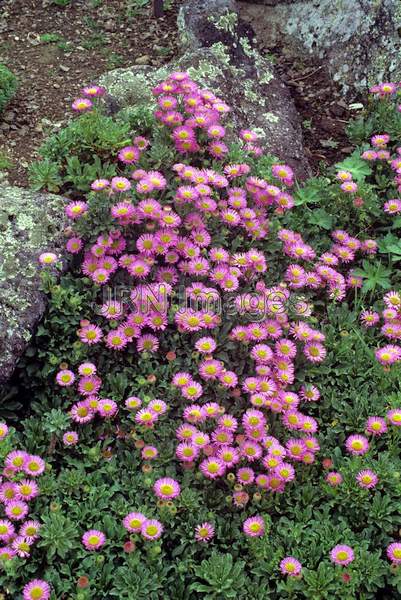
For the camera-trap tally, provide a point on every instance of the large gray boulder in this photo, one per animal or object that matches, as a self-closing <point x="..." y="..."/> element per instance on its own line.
<point x="359" y="40"/>
<point x="220" y="53"/>
<point x="30" y="223"/>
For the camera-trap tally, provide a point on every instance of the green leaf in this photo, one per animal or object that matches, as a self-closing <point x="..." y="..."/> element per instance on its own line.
<point x="358" y="167"/>
<point x="321" y="218"/>
<point x="311" y="193"/>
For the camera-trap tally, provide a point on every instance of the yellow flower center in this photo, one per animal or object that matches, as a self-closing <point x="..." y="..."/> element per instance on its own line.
<point x="342" y="555"/>
<point x="213" y="467"/>
<point x="135" y="523"/>
<point x="30" y="531"/>
<point x="93" y="540"/>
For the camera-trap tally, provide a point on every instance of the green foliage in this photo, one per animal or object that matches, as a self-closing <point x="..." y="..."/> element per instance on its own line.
<point x="312" y="192"/>
<point x="97" y="482"/>
<point x="45" y="174"/>
<point x="358" y="167"/>
<point x="375" y="276"/>
<point x="221" y="576"/>
<point x="58" y="535"/>
<point x="8" y="86"/>
<point x="61" y="3"/>
<point x="80" y="153"/>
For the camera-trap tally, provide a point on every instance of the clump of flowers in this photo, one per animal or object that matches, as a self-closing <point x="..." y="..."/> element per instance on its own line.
<point x="249" y="429"/>
<point x="18" y="489"/>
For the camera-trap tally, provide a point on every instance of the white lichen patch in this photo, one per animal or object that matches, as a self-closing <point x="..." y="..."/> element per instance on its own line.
<point x="271" y="117"/>
<point x="226" y="22"/>
<point x="204" y="71"/>
<point x="221" y="53"/>
<point x="30" y="223"/>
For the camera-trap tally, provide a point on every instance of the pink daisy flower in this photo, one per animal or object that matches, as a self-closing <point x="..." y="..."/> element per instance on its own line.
<point x="187" y="452"/>
<point x="21" y="546"/>
<point x="82" y="104"/>
<point x="93" y="539"/>
<point x="3" y="431"/>
<point x="341" y="555"/>
<point x="147" y="343"/>
<point x="133" y="522"/>
<point x="167" y="488"/>
<point x="65" y="378"/>
<point x="90" y="334"/>
<point x="212" y="467"/>
<point x="127" y="155"/>
<point x="388" y="355"/>
<point x="333" y="478"/>
<point x="394" y="417"/>
<point x="367" y="479"/>
<point x="93" y="91"/>
<point x="30" y="530"/>
<point x="149" y="452"/>
<point x="120" y="184"/>
<point x="34" y="465"/>
<point x="7" y="530"/>
<point x="100" y="184"/>
<point x="394" y="553"/>
<point x="145" y="417"/>
<point x="376" y="425"/>
<point x="357" y="444"/>
<point x="254" y="526"/>
<point x="369" y="318"/>
<point x="37" y="589"/>
<point x="81" y="412"/>
<point x="16" y="510"/>
<point x="290" y="566"/>
<point x="107" y="408"/>
<point x="47" y="258"/>
<point x="204" y="532"/>
<point x="27" y="489"/>
<point x="70" y="438"/>
<point x="151" y="529"/>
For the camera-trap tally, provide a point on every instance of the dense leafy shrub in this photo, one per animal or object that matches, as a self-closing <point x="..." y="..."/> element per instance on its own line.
<point x="84" y="150"/>
<point x="8" y="86"/>
<point x="309" y="381"/>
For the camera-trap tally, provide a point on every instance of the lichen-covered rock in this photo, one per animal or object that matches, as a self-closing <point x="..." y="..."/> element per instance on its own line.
<point x="358" y="41"/>
<point x="219" y="53"/>
<point x="30" y="223"/>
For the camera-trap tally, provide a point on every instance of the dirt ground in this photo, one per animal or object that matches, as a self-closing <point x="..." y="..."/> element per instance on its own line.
<point x="54" y="50"/>
<point x="323" y="112"/>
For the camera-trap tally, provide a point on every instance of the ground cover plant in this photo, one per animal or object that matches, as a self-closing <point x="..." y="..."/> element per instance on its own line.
<point x="214" y="402"/>
<point x="8" y="86"/>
